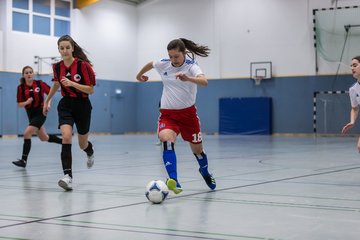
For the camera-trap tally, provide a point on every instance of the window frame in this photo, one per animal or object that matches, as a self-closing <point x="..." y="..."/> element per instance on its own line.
<point x="30" y="12"/>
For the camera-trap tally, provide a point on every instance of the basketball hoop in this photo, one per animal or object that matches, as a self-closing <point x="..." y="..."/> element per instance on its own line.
<point x="258" y="79"/>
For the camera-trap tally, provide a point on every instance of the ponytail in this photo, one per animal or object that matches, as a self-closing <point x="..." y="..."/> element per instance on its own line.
<point x="78" y="51"/>
<point x="183" y="45"/>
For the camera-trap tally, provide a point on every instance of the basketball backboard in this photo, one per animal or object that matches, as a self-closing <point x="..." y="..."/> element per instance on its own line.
<point x="260" y="71"/>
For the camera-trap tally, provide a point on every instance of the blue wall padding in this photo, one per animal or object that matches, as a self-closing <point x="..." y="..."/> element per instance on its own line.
<point x="246" y="116"/>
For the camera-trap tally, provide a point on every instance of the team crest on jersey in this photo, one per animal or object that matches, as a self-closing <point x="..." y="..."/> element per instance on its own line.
<point x="37" y="89"/>
<point x="77" y="77"/>
<point x="162" y="125"/>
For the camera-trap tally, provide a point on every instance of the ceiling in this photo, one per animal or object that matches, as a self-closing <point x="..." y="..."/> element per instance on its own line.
<point x="134" y="2"/>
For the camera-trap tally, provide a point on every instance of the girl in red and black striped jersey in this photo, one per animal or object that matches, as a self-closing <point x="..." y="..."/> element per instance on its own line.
<point x="30" y="95"/>
<point x="75" y="76"/>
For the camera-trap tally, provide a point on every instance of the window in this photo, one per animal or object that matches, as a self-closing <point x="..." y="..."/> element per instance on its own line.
<point x="41" y="25"/>
<point x="62" y="18"/>
<point x="21" y="4"/>
<point x="46" y="17"/>
<point x="20" y="22"/>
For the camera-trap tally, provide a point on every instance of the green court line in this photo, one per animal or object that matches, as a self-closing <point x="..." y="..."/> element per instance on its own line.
<point x="279" y="204"/>
<point x="13" y="238"/>
<point x="176" y="232"/>
<point x="296" y="196"/>
<point x="142" y="229"/>
<point x="182" y="196"/>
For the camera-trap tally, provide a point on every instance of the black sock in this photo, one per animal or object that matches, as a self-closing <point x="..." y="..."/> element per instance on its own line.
<point x="89" y="149"/>
<point x="66" y="159"/>
<point x="26" y="149"/>
<point x="54" y="139"/>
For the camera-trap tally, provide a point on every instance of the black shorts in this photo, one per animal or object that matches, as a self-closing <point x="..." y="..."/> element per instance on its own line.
<point x="36" y="117"/>
<point x="75" y="110"/>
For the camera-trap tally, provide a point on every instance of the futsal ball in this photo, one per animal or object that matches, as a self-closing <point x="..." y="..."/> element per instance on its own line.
<point x="156" y="191"/>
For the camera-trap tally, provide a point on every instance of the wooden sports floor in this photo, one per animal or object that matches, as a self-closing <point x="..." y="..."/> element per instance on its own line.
<point x="268" y="187"/>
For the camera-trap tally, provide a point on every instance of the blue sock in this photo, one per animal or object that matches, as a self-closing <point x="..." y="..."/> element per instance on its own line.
<point x="203" y="163"/>
<point x="169" y="158"/>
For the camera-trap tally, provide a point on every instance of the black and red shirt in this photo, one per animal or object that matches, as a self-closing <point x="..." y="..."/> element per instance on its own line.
<point x="79" y="71"/>
<point x="36" y="91"/>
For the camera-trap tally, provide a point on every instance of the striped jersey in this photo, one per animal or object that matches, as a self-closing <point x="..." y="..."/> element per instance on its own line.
<point x="79" y="71"/>
<point x="177" y="94"/>
<point x="354" y="93"/>
<point x="37" y="90"/>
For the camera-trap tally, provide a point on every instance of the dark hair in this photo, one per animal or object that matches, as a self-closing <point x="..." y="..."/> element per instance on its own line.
<point x="22" y="79"/>
<point x="78" y="51"/>
<point x="183" y="44"/>
<point x="357" y="58"/>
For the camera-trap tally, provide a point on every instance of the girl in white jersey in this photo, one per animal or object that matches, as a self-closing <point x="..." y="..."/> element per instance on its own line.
<point x="354" y="93"/>
<point x="180" y="76"/>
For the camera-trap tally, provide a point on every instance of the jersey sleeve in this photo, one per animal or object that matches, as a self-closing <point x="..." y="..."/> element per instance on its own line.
<point x="19" y="95"/>
<point x="160" y="65"/>
<point x="45" y="87"/>
<point x="88" y="74"/>
<point x="353" y="96"/>
<point x="196" y="70"/>
<point x="55" y="74"/>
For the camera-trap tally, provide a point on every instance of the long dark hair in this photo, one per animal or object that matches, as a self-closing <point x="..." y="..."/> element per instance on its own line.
<point x="357" y="58"/>
<point x="184" y="45"/>
<point x="22" y="79"/>
<point x="78" y="51"/>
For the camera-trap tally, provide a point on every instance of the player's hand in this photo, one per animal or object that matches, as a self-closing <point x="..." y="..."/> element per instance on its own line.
<point x="46" y="108"/>
<point x="66" y="82"/>
<point x="182" y="76"/>
<point x="142" y="78"/>
<point x="347" y="127"/>
<point x="29" y="100"/>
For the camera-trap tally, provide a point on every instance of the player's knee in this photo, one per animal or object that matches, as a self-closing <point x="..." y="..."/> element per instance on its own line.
<point x="167" y="145"/>
<point x="66" y="138"/>
<point x="43" y="138"/>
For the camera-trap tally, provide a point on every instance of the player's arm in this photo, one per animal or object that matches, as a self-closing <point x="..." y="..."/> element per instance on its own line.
<point x="89" y="89"/>
<point x="353" y="116"/>
<point x="140" y="76"/>
<point x="47" y="103"/>
<point x="23" y="104"/>
<point x="199" y="79"/>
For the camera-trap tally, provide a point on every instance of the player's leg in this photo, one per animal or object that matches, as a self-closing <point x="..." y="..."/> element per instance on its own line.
<point x="87" y="146"/>
<point x="202" y="160"/>
<point x="66" y="123"/>
<point x="82" y="118"/>
<point x="358" y="145"/>
<point x="29" y="131"/>
<point x="167" y="132"/>
<point x="51" y="138"/>
<point x="190" y="131"/>
<point x="66" y="157"/>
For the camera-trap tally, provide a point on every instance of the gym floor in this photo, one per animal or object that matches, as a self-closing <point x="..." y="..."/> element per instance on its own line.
<point x="268" y="187"/>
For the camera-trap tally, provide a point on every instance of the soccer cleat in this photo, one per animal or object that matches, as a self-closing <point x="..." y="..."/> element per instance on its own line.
<point x="173" y="185"/>
<point x="66" y="182"/>
<point x="209" y="179"/>
<point x="20" y="163"/>
<point x="90" y="160"/>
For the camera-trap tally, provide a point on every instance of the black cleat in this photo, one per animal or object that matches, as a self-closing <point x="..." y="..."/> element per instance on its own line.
<point x="20" y="163"/>
<point x="210" y="180"/>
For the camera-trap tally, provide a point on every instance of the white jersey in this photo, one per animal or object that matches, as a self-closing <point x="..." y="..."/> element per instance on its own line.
<point x="354" y="93"/>
<point x="177" y="94"/>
